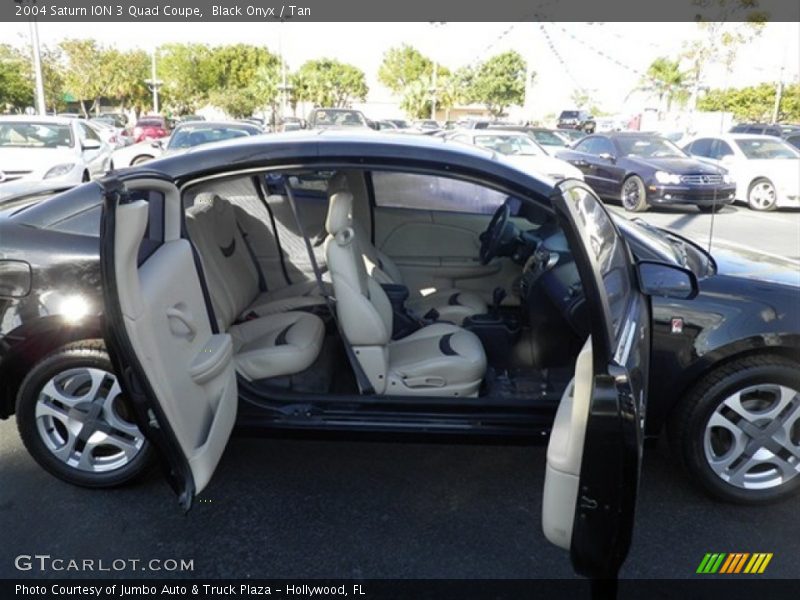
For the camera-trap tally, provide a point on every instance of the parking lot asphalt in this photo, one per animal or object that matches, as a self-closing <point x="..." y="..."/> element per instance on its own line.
<point x="317" y="509"/>
<point x="775" y="232"/>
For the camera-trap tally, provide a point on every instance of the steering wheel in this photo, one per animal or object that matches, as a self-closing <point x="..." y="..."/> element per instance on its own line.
<point x="490" y="239"/>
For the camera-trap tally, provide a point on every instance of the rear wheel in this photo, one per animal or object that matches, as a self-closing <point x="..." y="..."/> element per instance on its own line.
<point x="74" y="420"/>
<point x="141" y="159"/>
<point x="738" y="431"/>
<point x="762" y="195"/>
<point x="634" y="196"/>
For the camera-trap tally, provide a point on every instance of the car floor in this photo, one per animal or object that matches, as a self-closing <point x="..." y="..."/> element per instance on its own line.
<point x="303" y="508"/>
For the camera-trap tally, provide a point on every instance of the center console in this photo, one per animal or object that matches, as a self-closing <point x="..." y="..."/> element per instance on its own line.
<point x="498" y="333"/>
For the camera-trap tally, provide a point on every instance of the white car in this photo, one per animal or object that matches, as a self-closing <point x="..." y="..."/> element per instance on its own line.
<point x="766" y="169"/>
<point x="56" y="149"/>
<point x="520" y="150"/>
<point x="139" y="153"/>
<point x="114" y="136"/>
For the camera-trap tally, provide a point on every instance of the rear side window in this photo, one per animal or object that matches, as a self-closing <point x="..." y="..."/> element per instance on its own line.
<point x="430" y="192"/>
<point x="701" y="147"/>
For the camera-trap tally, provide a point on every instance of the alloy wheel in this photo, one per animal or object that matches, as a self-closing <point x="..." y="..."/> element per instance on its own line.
<point x="631" y="194"/>
<point x="84" y="422"/>
<point x="762" y="195"/>
<point x="752" y="439"/>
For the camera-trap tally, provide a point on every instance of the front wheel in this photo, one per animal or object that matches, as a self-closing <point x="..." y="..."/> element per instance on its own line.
<point x="762" y="195"/>
<point x="737" y="432"/>
<point x="141" y="160"/>
<point x="74" y="419"/>
<point x="634" y="195"/>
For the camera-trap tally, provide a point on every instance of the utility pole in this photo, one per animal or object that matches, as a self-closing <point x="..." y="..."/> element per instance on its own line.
<point x="434" y="81"/>
<point x="154" y="83"/>
<point x="41" y="108"/>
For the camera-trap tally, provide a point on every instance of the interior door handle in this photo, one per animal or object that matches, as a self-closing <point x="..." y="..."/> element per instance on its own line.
<point x="177" y="316"/>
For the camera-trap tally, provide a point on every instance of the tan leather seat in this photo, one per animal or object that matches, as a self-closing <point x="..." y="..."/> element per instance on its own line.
<point x="438" y="360"/>
<point x="212" y="226"/>
<point x="451" y="304"/>
<point x="272" y="345"/>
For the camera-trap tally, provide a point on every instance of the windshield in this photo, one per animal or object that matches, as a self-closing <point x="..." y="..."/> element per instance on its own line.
<point x="510" y="144"/>
<point x="31" y="134"/>
<point x="649" y="147"/>
<point x="548" y="138"/>
<point x="569" y="114"/>
<point x="339" y="118"/>
<point x="188" y="137"/>
<point x="765" y="148"/>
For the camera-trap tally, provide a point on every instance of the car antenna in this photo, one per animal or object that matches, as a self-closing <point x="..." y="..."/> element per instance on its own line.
<point x="713" y="215"/>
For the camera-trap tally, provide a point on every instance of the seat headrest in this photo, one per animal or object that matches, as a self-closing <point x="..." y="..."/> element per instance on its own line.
<point x="340" y="213"/>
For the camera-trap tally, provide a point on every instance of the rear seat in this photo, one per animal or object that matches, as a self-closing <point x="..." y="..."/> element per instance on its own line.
<point x="220" y="236"/>
<point x="266" y="341"/>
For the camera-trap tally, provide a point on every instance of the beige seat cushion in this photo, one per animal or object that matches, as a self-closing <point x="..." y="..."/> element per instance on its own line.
<point x="277" y="345"/>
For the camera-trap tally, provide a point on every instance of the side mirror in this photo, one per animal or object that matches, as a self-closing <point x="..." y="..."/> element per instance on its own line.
<point x="666" y="280"/>
<point x="90" y="145"/>
<point x="607" y="156"/>
<point x="158" y="144"/>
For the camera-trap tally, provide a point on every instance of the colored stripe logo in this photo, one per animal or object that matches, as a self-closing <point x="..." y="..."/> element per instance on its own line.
<point x="734" y="563"/>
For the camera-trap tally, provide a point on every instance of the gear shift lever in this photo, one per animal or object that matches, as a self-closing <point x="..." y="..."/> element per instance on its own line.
<point x="498" y="295"/>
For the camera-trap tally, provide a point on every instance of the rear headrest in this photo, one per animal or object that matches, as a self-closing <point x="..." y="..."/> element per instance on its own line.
<point x="338" y="183"/>
<point x="340" y="212"/>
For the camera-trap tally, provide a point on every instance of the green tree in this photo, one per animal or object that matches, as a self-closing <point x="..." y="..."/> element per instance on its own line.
<point x="402" y="66"/>
<point x="500" y="82"/>
<point x="579" y="98"/>
<point x="666" y="81"/>
<point x="126" y="73"/>
<point x="246" y="79"/>
<point x="85" y="70"/>
<point x="754" y="103"/>
<point x="416" y="101"/>
<point x="16" y="91"/>
<point x="327" y="82"/>
<point x="189" y="74"/>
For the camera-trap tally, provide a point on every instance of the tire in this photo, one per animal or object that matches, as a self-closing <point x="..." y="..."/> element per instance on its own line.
<point x="761" y="195"/>
<point x="69" y="374"/>
<point x="718" y="446"/>
<point x="141" y="160"/>
<point x="633" y="195"/>
<point x="710" y="208"/>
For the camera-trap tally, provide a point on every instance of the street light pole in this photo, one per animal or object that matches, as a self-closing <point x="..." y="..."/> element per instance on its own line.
<point x="434" y="81"/>
<point x="154" y="83"/>
<point x="41" y="108"/>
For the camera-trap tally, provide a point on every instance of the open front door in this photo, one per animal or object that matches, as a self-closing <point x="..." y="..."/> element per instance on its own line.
<point x="595" y="450"/>
<point x="173" y="366"/>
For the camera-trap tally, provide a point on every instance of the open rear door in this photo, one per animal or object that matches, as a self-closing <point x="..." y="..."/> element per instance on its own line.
<point x="595" y="450"/>
<point x="175" y="369"/>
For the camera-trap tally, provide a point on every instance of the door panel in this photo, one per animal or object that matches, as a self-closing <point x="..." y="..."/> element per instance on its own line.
<point x="178" y="373"/>
<point x="439" y="249"/>
<point x="595" y="449"/>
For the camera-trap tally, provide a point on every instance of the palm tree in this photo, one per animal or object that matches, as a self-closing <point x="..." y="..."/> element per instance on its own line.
<point x="665" y="80"/>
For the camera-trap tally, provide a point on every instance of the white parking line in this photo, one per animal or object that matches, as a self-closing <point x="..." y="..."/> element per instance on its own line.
<point x="750" y="248"/>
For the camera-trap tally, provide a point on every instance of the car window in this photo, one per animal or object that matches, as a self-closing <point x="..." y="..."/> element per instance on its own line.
<point x="589" y="145"/>
<point x="721" y="149"/>
<point x="197" y="135"/>
<point x="702" y="147"/>
<point x="548" y="138"/>
<point x="607" y="250"/>
<point x="87" y="133"/>
<point x="32" y="134"/>
<point x="766" y="148"/>
<point x="430" y="192"/>
<point x="514" y="144"/>
<point x="648" y="147"/>
<point x="794" y="140"/>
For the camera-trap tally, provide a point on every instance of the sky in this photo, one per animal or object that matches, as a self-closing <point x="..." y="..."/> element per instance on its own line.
<point x="560" y="68"/>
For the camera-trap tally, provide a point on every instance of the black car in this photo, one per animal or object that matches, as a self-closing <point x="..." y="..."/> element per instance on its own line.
<point x="723" y="358"/>
<point x="577" y="119"/>
<point x="642" y="169"/>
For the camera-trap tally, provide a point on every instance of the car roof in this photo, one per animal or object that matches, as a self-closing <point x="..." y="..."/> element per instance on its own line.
<point x="38" y="119"/>
<point x="344" y="147"/>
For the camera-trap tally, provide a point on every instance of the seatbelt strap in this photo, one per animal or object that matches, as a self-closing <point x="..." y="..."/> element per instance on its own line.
<point x="361" y="377"/>
<point x="262" y="282"/>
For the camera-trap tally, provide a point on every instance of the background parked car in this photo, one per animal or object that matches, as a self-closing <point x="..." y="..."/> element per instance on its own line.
<point x="548" y="139"/>
<point x="520" y="149"/>
<point x="577" y="119"/>
<point x="184" y="136"/>
<point x="337" y="118"/>
<point x="115" y="137"/>
<point x="150" y="128"/>
<point x="640" y="170"/>
<point x="52" y="148"/>
<point x="764" y="167"/>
